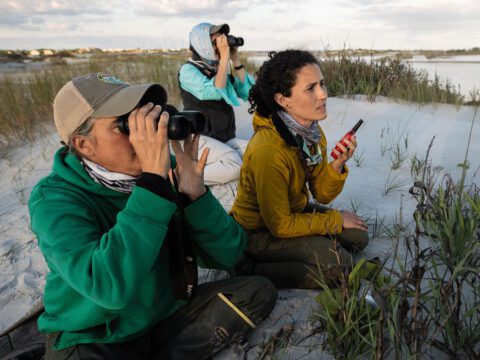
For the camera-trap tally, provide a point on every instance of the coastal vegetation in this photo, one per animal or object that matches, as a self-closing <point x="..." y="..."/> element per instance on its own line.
<point x="423" y="299"/>
<point x="42" y="54"/>
<point x="26" y="95"/>
<point x="426" y="293"/>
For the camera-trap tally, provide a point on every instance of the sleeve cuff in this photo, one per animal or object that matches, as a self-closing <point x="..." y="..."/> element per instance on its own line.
<point x="157" y="184"/>
<point x="335" y="175"/>
<point x="204" y="206"/>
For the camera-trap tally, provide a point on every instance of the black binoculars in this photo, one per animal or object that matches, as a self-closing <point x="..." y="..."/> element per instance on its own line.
<point x="180" y="123"/>
<point x="234" y="41"/>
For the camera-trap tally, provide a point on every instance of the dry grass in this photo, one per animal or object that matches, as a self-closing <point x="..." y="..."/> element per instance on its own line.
<point x="26" y="97"/>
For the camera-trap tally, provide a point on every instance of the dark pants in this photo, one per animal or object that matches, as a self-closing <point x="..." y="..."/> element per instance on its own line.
<point x="196" y="331"/>
<point x="294" y="262"/>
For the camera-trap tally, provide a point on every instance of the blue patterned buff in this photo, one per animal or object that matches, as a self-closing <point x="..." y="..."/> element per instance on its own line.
<point x="116" y="181"/>
<point x="200" y="41"/>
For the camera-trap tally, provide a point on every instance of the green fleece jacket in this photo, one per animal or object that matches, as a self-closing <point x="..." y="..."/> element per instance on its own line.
<point x="109" y="274"/>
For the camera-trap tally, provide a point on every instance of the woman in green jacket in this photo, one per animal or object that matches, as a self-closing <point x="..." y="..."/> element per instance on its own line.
<point x="121" y="243"/>
<point x="288" y="235"/>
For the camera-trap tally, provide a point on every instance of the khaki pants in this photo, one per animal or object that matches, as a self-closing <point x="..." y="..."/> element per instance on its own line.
<point x="294" y="262"/>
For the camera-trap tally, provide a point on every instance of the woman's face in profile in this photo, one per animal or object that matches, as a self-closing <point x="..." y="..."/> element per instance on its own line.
<point x="308" y="99"/>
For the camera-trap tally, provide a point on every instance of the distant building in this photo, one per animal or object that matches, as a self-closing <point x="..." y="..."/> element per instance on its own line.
<point x="34" y="53"/>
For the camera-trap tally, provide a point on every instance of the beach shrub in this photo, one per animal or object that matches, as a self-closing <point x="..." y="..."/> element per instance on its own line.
<point x="432" y="296"/>
<point x="348" y="74"/>
<point x="26" y="96"/>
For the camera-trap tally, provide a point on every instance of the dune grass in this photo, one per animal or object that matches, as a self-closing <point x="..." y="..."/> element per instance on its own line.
<point x="349" y="74"/>
<point x="428" y="301"/>
<point x="26" y="97"/>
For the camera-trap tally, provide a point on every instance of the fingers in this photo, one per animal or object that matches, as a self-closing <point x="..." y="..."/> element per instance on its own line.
<point x="162" y="129"/>
<point x="343" y="154"/>
<point x="190" y="146"/>
<point x="347" y="151"/>
<point x="222" y="45"/>
<point x="203" y="159"/>
<point x="141" y="115"/>
<point x="350" y="220"/>
<point x="132" y="120"/>
<point x="360" y="224"/>
<point x="187" y="147"/>
<point x="149" y="140"/>
<point x="193" y="146"/>
<point x="222" y="40"/>
<point x="353" y="140"/>
<point x="143" y="119"/>
<point x="177" y="148"/>
<point x="150" y="119"/>
<point x="351" y="145"/>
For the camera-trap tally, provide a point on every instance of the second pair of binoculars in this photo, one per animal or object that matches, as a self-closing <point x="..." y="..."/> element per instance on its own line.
<point x="180" y="123"/>
<point x="234" y="41"/>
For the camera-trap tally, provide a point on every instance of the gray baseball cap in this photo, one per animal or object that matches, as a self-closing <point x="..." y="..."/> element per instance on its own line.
<point x="99" y="95"/>
<point x="222" y="28"/>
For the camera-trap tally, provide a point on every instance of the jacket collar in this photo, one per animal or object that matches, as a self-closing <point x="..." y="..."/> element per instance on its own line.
<point x="283" y="130"/>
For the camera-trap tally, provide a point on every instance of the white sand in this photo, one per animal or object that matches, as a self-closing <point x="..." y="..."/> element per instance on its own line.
<point x="387" y="123"/>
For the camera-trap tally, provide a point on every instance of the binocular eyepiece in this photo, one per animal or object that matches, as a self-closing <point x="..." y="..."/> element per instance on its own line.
<point x="180" y="123"/>
<point x="234" y="41"/>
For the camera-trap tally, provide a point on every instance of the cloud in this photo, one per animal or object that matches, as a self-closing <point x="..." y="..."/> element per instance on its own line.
<point x="263" y="23"/>
<point x="193" y="8"/>
<point x="57" y="7"/>
<point x="37" y="20"/>
<point x="415" y="16"/>
<point x="12" y="19"/>
<point x="28" y="15"/>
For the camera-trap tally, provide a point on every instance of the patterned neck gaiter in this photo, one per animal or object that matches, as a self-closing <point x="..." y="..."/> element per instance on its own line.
<point x="116" y="181"/>
<point x="311" y="136"/>
<point x="305" y="138"/>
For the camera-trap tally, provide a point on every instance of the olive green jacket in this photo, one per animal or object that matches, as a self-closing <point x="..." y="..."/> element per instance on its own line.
<point x="273" y="192"/>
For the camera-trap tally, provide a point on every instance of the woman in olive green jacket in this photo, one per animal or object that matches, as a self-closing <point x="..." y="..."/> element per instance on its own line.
<point x="288" y="234"/>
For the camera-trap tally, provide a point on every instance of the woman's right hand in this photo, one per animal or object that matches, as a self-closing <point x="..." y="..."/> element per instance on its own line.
<point x="223" y="48"/>
<point x="150" y="141"/>
<point x="352" y="221"/>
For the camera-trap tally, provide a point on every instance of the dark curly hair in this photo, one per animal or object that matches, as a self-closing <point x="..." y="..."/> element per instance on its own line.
<point x="277" y="75"/>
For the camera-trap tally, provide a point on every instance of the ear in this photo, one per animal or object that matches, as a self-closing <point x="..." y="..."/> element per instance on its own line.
<point x="282" y="100"/>
<point x="84" y="145"/>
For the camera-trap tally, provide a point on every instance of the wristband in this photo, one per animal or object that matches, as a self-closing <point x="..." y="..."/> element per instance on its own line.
<point x="238" y="67"/>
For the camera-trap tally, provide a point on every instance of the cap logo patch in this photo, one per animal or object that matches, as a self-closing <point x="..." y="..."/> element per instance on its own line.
<point x="110" y="79"/>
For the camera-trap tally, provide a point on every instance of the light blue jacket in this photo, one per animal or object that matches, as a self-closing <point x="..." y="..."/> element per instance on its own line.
<point x="203" y="88"/>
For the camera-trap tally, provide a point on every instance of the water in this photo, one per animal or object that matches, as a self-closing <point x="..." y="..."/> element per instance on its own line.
<point x="461" y="71"/>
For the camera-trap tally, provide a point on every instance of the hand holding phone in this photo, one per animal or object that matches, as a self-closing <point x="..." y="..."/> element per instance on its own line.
<point x="347" y="136"/>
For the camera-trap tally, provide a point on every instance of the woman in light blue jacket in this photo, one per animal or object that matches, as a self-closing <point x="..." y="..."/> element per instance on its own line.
<point x="212" y="81"/>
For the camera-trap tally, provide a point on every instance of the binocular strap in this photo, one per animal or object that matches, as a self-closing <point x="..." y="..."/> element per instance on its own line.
<point x="182" y="259"/>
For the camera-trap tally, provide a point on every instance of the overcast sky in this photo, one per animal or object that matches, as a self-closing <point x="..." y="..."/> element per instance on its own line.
<point x="264" y="24"/>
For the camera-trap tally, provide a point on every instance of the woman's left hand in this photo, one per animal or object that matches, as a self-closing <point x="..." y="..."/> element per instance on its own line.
<point x="189" y="170"/>
<point x="345" y="155"/>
